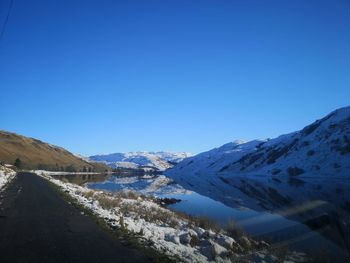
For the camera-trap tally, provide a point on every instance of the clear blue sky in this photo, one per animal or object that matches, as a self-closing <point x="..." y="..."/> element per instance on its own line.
<point x="108" y="76"/>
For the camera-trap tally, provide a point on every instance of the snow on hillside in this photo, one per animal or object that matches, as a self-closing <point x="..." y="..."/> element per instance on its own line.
<point x="268" y="174"/>
<point x="86" y="159"/>
<point x="322" y="147"/>
<point x="209" y="162"/>
<point x="159" y="160"/>
<point x="172" y="157"/>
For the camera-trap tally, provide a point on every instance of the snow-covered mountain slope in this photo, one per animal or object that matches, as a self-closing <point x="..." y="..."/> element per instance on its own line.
<point x="272" y="173"/>
<point x="322" y="147"/>
<point x="172" y="157"/>
<point x="158" y="160"/>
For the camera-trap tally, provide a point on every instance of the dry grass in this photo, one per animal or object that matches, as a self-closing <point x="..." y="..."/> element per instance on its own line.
<point x="205" y="223"/>
<point x="281" y="252"/>
<point x="107" y="202"/>
<point x="65" y="180"/>
<point x="233" y="230"/>
<point x="88" y="194"/>
<point x="157" y="215"/>
<point x="194" y="241"/>
<point x="150" y="214"/>
<point x="34" y="154"/>
<point x="128" y="195"/>
<point x="199" y="221"/>
<point x="5" y="169"/>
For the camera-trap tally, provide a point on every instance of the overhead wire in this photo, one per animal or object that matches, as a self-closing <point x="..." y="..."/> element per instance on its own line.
<point x="6" y="20"/>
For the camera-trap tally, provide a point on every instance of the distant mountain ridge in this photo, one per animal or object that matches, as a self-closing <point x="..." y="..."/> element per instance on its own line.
<point x="158" y="160"/>
<point x="273" y="172"/>
<point x="35" y="154"/>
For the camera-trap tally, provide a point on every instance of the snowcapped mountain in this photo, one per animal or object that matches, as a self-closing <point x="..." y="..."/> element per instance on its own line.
<point x="322" y="147"/>
<point x="158" y="160"/>
<point x="172" y="157"/>
<point x="268" y="174"/>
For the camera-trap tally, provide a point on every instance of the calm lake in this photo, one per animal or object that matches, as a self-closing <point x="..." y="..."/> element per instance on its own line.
<point x="271" y="227"/>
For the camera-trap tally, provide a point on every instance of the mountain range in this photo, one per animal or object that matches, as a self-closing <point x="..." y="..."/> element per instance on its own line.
<point x="135" y="160"/>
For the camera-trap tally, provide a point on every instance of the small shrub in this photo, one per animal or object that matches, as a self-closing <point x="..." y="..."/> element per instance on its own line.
<point x="141" y="233"/>
<point x="88" y="194"/>
<point x="280" y="251"/>
<point x="233" y="230"/>
<point x="64" y="179"/>
<point x="127" y="194"/>
<point x="194" y="241"/>
<point x="150" y="214"/>
<point x="132" y="195"/>
<point x="18" y="163"/>
<point x="126" y="208"/>
<point x="205" y="223"/>
<point x="107" y="202"/>
<point x="121" y="223"/>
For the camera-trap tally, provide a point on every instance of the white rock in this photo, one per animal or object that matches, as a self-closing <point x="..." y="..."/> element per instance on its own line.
<point x="200" y="231"/>
<point x="226" y="241"/>
<point x="172" y="238"/>
<point x="211" y="233"/>
<point x="185" y="238"/>
<point x="192" y="232"/>
<point x="244" y="241"/>
<point x="212" y="250"/>
<point x="217" y="249"/>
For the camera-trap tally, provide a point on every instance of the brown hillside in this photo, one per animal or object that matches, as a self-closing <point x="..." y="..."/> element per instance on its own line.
<point x="35" y="154"/>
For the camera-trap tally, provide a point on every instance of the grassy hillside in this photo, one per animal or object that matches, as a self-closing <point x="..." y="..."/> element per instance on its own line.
<point x="35" y="154"/>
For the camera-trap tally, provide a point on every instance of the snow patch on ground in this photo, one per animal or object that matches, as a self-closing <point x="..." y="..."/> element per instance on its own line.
<point x="6" y="175"/>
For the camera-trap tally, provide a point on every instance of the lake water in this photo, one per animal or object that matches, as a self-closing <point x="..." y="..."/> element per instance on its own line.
<point x="273" y="228"/>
